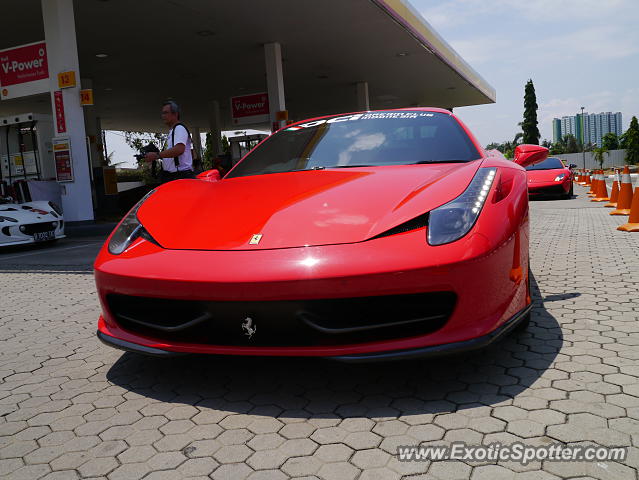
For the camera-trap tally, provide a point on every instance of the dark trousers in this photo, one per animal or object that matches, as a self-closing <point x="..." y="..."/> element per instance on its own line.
<point x="169" y="176"/>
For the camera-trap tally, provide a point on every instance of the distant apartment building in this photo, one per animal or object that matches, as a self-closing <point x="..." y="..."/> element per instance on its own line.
<point x="556" y="130"/>
<point x="595" y="126"/>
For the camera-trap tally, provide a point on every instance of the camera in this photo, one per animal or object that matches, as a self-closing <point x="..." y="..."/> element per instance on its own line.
<point x="150" y="148"/>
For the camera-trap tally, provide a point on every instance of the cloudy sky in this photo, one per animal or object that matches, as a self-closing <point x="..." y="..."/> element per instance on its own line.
<point x="577" y="52"/>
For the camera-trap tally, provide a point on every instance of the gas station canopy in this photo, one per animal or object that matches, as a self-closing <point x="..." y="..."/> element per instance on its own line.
<point x="70" y="69"/>
<point x="138" y="53"/>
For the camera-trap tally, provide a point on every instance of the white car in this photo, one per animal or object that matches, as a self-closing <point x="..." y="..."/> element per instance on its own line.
<point x="30" y="222"/>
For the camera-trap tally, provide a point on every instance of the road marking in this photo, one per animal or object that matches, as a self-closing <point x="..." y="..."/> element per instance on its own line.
<point x="49" y="250"/>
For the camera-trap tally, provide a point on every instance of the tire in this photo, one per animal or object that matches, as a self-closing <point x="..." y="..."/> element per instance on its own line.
<point x="567" y="196"/>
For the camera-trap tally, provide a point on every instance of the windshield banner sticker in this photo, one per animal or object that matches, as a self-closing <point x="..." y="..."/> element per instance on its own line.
<point x="362" y="116"/>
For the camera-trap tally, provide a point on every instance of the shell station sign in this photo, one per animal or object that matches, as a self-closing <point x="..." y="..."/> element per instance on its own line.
<point x="24" y="70"/>
<point x="248" y="109"/>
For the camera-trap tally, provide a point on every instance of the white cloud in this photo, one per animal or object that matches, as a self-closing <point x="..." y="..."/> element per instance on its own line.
<point x="578" y="52"/>
<point x="480" y="50"/>
<point x="603" y="42"/>
<point x="567" y="10"/>
<point x="453" y="13"/>
<point x="591" y="44"/>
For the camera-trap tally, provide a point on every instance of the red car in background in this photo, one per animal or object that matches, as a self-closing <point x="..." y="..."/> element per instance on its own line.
<point x="550" y="177"/>
<point x="374" y="235"/>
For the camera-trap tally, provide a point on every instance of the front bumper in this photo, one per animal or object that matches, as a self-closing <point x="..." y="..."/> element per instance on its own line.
<point x="10" y="233"/>
<point x="409" y="354"/>
<point x="483" y="269"/>
<point x="549" y="188"/>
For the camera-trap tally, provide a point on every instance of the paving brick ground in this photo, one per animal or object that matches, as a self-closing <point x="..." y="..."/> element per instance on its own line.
<point x="73" y="408"/>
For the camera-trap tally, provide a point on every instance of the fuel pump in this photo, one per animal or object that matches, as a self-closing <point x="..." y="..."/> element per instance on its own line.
<point x="26" y="156"/>
<point x="242" y="144"/>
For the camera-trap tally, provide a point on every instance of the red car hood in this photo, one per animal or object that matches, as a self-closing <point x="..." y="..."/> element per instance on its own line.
<point x="294" y="209"/>
<point x="535" y="176"/>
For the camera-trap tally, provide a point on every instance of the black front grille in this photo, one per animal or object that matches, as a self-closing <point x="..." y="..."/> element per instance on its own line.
<point x="285" y="323"/>
<point x="551" y="190"/>
<point x="32" y="228"/>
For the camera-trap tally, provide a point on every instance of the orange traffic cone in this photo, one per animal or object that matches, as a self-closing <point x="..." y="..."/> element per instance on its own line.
<point x="584" y="178"/>
<point x="624" y="202"/>
<point x="614" y="194"/>
<point x="633" y="220"/>
<point x="594" y="184"/>
<point x="602" y="190"/>
<point x="588" y="177"/>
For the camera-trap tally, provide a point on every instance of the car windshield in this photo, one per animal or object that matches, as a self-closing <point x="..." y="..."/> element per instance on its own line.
<point x="551" y="163"/>
<point x="363" y="139"/>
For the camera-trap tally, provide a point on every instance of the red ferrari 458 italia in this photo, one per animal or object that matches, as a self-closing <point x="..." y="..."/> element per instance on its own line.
<point x="375" y="235"/>
<point x="550" y="177"/>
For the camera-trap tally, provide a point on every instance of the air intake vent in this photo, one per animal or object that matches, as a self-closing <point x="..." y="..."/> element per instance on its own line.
<point x="414" y="224"/>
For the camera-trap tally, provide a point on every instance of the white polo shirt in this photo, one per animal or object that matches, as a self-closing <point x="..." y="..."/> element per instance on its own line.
<point x="185" y="160"/>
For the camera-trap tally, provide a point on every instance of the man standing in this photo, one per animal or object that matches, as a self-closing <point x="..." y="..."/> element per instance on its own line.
<point x="176" y="158"/>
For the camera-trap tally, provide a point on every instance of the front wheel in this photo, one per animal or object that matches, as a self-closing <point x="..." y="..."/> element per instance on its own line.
<point x="570" y="193"/>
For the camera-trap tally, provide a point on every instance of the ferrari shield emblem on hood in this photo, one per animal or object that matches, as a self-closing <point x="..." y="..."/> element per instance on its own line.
<point x="255" y="239"/>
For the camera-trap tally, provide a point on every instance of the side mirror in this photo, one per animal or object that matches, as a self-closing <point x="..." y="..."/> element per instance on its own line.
<point x="209" y="175"/>
<point x="526" y="154"/>
<point x="572" y="165"/>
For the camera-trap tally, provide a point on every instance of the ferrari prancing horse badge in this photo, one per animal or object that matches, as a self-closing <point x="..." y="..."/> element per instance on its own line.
<point x="255" y="239"/>
<point x="248" y="327"/>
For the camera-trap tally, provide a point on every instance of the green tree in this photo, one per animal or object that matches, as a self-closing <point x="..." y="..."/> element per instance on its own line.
<point x="571" y="145"/>
<point x="507" y="147"/>
<point x="209" y="154"/>
<point x="610" y="141"/>
<point x="529" y="125"/>
<point x="556" y="149"/>
<point x="598" y="154"/>
<point x="138" y="140"/>
<point x="590" y="147"/>
<point x="226" y="146"/>
<point x="631" y="142"/>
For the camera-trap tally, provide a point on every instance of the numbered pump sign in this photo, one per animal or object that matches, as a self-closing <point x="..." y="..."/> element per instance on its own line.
<point x="66" y="79"/>
<point x="86" y="97"/>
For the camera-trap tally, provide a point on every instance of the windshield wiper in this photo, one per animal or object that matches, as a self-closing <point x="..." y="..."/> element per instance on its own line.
<point x="304" y="169"/>
<point x="352" y="166"/>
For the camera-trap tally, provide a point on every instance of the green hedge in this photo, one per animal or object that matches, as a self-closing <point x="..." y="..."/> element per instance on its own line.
<point x="129" y="176"/>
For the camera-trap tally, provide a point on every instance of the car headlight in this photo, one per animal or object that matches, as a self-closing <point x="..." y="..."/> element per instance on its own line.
<point x="560" y="177"/>
<point x="55" y="207"/>
<point x="453" y="220"/>
<point x="129" y="230"/>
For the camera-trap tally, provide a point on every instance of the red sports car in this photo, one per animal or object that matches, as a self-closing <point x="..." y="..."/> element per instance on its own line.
<point x="550" y="177"/>
<point x="374" y="235"/>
